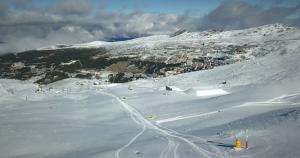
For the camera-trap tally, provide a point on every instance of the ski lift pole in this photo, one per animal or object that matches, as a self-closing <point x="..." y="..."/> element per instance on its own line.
<point x="246" y="144"/>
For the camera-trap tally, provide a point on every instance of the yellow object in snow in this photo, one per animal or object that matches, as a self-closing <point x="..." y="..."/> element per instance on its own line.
<point x="152" y="117"/>
<point x="238" y="144"/>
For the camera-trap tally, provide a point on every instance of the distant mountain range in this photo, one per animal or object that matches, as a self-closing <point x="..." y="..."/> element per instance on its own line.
<point x="153" y="56"/>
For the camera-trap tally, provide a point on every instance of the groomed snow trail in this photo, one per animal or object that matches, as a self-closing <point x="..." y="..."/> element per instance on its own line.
<point x="174" y="138"/>
<point x="117" y="153"/>
<point x="279" y="101"/>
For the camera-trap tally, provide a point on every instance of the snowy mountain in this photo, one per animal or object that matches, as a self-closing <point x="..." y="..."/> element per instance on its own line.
<point x="253" y="99"/>
<point x="153" y="56"/>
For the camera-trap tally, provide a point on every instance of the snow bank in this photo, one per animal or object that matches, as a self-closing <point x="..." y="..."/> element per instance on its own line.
<point x="206" y="93"/>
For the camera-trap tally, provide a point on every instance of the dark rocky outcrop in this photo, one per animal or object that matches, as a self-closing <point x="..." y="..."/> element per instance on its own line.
<point x="179" y="32"/>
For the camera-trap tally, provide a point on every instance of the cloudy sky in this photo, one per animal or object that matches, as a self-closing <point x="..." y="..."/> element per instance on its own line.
<point x="29" y="24"/>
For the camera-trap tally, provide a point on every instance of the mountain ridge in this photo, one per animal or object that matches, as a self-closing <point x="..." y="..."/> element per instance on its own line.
<point x="152" y="56"/>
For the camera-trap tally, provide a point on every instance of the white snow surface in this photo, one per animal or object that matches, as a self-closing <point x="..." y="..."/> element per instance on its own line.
<point x="76" y="118"/>
<point x="268" y="36"/>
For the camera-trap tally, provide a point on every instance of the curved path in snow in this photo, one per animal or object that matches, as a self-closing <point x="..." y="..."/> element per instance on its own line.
<point x="284" y="99"/>
<point x="175" y="139"/>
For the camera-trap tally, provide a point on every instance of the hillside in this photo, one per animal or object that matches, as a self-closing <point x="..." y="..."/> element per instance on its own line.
<point x="153" y="56"/>
<point x="254" y="100"/>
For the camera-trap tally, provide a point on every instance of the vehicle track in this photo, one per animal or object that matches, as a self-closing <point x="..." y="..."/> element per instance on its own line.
<point x="279" y="101"/>
<point x="174" y="138"/>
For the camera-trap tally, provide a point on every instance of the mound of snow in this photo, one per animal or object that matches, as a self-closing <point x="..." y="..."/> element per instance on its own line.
<point x="206" y="92"/>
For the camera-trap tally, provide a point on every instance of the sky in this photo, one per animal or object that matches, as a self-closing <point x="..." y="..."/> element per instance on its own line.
<point x="196" y="7"/>
<point x="30" y="24"/>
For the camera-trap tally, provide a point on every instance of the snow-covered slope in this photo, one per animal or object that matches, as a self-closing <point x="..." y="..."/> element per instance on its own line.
<point x="253" y="42"/>
<point x="152" y="56"/>
<point x="257" y="100"/>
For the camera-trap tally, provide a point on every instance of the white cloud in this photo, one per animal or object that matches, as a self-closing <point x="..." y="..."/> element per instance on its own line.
<point x="75" y="21"/>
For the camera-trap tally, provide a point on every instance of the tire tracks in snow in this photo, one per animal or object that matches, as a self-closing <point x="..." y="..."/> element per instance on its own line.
<point x="166" y="153"/>
<point x="173" y="137"/>
<point x="273" y="102"/>
<point x="117" y="153"/>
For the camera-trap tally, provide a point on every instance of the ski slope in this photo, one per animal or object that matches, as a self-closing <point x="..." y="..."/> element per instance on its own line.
<point x="201" y="117"/>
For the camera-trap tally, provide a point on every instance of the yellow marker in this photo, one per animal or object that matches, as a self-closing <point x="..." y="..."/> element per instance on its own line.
<point x="152" y="117"/>
<point x="238" y="145"/>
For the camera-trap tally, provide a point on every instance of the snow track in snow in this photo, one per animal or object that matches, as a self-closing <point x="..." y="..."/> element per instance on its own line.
<point x="117" y="153"/>
<point x="177" y="118"/>
<point x="174" y="138"/>
<point x="279" y="101"/>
